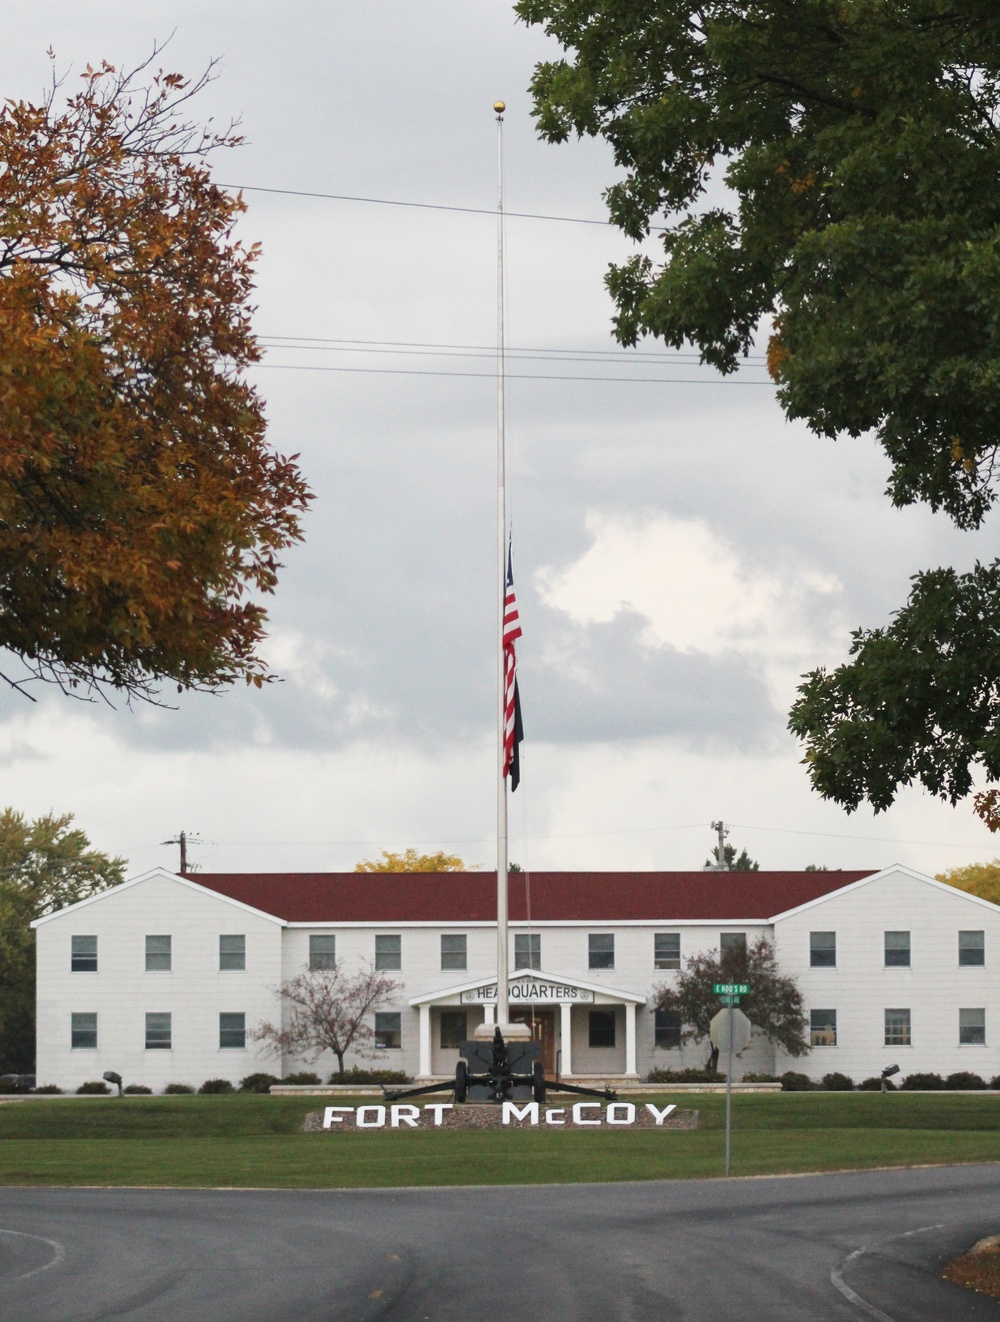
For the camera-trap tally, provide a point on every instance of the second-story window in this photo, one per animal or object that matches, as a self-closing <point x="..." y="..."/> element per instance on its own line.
<point x="159" y="954"/>
<point x="232" y="954"/>
<point x="972" y="949"/>
<point x="897" y="951"/>
<point x="527" y="950"/>
<point x="83" y="954"/>
<point x="823" y="950"/>
<point x="388" y="952"/>
<point x="666" y="950"/>
<point x="454" y="950"/>
<point x="322" y="951"/>
<point x="601" y="950"/>
<point x="732" y="943"/>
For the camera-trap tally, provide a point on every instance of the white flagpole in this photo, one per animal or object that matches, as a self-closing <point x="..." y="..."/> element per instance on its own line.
<point x="503" y="1008"/>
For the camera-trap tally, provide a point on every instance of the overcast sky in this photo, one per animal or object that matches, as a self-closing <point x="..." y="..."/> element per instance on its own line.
<point x="682" y="554"/>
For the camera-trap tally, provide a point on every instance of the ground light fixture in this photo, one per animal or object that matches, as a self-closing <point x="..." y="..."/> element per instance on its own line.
<point x="887" y="1073"/>
<point x="111" y="1077"/>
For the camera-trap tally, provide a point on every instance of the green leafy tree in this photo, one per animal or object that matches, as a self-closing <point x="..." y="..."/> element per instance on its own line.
<point x="982" y="879"/>
<point x="741" y="862"/>
<point x="859" y="143"/>
<point x="44" y="865"/>
<point x="774" y="1004"/>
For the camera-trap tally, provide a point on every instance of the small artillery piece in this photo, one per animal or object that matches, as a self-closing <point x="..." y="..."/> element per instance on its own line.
<point x="500" y="1071"/>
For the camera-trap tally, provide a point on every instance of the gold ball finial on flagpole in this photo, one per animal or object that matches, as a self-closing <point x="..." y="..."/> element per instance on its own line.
<point x="499" y="107"/>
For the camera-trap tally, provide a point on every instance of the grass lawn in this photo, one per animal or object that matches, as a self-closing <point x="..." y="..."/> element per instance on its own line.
<point x="249" y="1141"/>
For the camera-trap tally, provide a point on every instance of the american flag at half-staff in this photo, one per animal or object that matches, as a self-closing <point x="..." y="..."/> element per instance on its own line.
<point x="512" y="731"/>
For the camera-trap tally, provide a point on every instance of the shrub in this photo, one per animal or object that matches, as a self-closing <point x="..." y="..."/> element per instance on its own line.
<point x="964" y="1079"/>
<point x="370" y="1076"/>
<point x="138" y="1089"/>
<point x="49" y="1089"/>
<point x="875" y="1085"/>
<point x="761" y="1078"/>
<point x="995" y="1082"/>
<point x="922" y="1082"/>
<point x="685" y="1076"/>
<point x="216" y="1086"/>
<point x="252" y="1083"/>
<point x="837" y="1082"/>
<point x="176" y="1089"/>
<point x="303" y="1077"/>
<point x="95" y="1088"/>
<point x="792" y="1081"/>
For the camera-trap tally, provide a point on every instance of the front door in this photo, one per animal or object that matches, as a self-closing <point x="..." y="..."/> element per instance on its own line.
<point x="543" y="1029"/>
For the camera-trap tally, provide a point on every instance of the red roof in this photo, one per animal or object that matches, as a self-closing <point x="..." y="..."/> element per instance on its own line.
<point x="383" y="898"/>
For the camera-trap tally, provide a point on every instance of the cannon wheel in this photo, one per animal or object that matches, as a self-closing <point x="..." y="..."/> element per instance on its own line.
<point x="538" y="1082"/>
<point x="461" y="1081"/>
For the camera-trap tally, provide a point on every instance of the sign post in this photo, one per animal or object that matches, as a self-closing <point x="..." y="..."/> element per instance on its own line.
<point x="725" y="1028"/>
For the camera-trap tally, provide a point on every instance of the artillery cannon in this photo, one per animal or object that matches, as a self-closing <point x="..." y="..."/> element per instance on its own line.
<point x="501" y="1071"/>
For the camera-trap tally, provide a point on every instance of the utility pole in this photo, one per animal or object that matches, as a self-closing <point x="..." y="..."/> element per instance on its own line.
<point x="723" y="831"/>
<point x="183" y="839"/>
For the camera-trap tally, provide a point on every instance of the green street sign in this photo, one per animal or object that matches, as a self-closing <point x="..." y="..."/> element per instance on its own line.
<point x="729" y="1000"/>
<point x="731" y="988"/>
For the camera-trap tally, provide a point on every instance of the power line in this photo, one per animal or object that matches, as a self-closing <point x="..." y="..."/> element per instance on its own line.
<point x="537" y="354"/>
<point x="519" y="376"/>
<point x="420" y="206"/>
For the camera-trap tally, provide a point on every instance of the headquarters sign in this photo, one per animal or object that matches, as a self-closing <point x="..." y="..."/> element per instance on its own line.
<point x="531" y="990"/>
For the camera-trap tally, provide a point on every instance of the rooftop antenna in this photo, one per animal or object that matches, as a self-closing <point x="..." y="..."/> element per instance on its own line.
<point x="723" y="831"/>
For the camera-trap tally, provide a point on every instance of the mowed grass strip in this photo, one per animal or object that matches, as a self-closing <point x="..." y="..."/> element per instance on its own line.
<point x="257" y="1142"/>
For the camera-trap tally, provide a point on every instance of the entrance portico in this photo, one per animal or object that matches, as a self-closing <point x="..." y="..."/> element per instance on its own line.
<point x="534" y="998"/>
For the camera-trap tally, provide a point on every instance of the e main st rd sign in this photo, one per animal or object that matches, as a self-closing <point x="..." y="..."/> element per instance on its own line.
<point x="528" y="989"/>
<point x="580" y="1115"/>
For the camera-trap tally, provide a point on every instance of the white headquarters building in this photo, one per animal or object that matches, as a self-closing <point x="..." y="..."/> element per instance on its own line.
<point x="164" y="978"/>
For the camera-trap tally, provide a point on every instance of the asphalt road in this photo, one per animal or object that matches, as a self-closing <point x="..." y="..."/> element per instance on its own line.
<point x="858" y="1246"/>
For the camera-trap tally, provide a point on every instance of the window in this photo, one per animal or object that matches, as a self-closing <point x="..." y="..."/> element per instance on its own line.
<point x="971" y="948"/>
<point x="823" y="950"/>
<point x="667" y="1029"/>
<point x="454" y="953"/>
<point x="897" y="950"/>
<point x="388" y="1028"/>
<point x="453" y="1028"/>
<point x="667" y="950"/>
<point x="602" y="951"/>
<point x="232" y="954"/>
<point x="602" y="1028"/>
<point x="388" y="952"/>
<point x="733" y="943"/>
<point x="232" y="1032"/>
<point x="527" y="950"/>
<point x="83" y="1032"/>
<point x="823" y="1028"/>
<point x="158" y="954"/>
<point x="322" y="952"/>
<point x="83" y="954"/>
<point x="972" y="1028"/>
<point x="897" y="1028"/>
<point x="158" y="1037"/>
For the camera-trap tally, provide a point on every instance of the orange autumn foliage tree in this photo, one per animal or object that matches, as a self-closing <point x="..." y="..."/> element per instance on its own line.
<point x="140" y="507"/>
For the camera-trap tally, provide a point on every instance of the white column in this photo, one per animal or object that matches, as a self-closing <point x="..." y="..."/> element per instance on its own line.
<point x="630" y="1038"/>
<point x="489" y="1013"/>
<point x="425" y="1041"/>
<point x="566" y="1038"/>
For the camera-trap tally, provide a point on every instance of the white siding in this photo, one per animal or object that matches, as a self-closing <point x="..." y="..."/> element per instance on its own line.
<point x="121" y="992"/>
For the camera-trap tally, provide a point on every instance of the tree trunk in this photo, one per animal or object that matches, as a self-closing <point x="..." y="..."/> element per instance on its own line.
<point x="340" y="1064"/>
<point x="712" y="1063"/>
